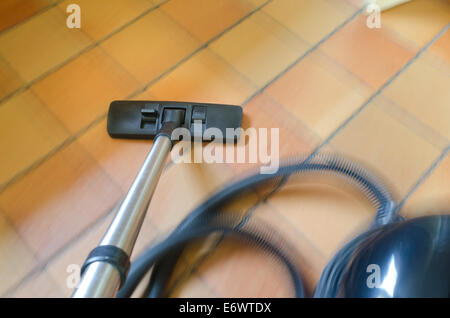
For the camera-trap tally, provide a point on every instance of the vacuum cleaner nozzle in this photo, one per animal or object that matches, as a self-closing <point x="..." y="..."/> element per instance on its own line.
<point x="143" y="119"/>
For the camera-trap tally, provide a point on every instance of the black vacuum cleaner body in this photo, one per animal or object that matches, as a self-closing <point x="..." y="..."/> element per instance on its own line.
<point x="408" y="259"/>
<point x="393" y="258"/>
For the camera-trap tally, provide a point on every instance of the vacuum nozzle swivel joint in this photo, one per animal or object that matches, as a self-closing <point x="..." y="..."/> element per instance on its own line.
<point x="172" y="118"/>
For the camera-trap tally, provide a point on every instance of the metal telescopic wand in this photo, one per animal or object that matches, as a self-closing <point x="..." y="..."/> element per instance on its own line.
<point x="102" y="276"/>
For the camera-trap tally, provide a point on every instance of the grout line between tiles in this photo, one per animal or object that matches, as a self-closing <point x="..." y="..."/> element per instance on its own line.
<point x="296" y="231"/>
<point x="415" y="124"/>
<point x="40" y="161"/>
<point x="304" y="55"/>
<point x="25" y="243"/>
<point x="423" y="178"/>
<point x="380" y="90"/>
<point x="42" y="265"/>
<point x="37" y="13"/>
<point x="178" y="24"/>
<point x="205" y="45"/>
<point x="120" y="66"/>
<point x="29" y="277"/>
<point x="201" y="47"/>
<point x="12" y="69"/>
<point x="299" y="122"/>
<point x="78" y="54"/>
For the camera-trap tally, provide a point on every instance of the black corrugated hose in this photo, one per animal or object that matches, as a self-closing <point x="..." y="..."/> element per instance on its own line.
<point x="208" y="218"/>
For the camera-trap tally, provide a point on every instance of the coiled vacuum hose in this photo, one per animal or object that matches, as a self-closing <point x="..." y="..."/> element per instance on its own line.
<point x="208" y="218"/>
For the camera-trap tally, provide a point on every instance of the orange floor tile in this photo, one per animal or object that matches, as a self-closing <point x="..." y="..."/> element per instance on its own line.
<point x="259" y="40"/>
<point x="40" y="132"/>
<point x="205" y="78"/>
<point x="103" y="17"/>
<point x="301" y="16"/>
<point x="263" y="112"/>
<point x="205" y="19"/>
<point x="302" y="88"/>
<point x="312" y="69"/>
<point x="23" y="9"/>
<point x="76" y="92"/>
<point x="356" y="47"/>
<point x="422" y="90"/>
<point x="10" y="80"/>
<point x="85" y="191"/>
<point x="154" y="37"/>
<point x="432" y="195"/>
<point x="41" y="44"/>
<point x="386" y="146"/>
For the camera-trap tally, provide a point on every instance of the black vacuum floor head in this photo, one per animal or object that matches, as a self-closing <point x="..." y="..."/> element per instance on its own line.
<point x="143" y="119"/>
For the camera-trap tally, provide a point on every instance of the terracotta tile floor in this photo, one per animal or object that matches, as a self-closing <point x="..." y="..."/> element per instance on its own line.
<point x="311" y="68"/>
